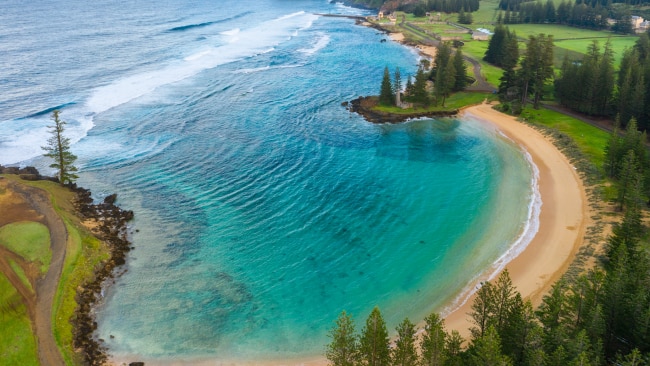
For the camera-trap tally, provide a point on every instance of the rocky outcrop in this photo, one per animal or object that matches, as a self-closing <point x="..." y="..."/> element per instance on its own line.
<point x="365" y="107"/>
<point x="112" y="229"/>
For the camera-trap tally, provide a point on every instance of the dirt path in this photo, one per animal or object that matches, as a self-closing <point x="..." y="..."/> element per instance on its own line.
<point x="48" y="352"/>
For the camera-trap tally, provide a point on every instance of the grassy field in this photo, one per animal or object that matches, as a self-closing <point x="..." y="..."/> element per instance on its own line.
<point x="17" y="343"/>
<point x="476" y="50"/>
<point x="590" y="140"/>
<point x="30" y="240"/>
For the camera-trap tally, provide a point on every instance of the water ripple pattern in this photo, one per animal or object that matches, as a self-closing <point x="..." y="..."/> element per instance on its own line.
<point x="263" y="207"/>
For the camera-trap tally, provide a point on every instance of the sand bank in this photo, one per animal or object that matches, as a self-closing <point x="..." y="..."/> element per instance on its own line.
<point x="563" y="215"/>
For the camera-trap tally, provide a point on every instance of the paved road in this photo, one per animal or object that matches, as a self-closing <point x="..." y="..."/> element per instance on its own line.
<point x="48" y="352"/>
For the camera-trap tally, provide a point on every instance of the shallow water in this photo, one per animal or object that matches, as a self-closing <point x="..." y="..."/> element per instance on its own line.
<point x="263" y="207"/>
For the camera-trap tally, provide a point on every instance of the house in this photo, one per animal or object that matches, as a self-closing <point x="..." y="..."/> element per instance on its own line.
<point x="645" y="25"/>
<point x="380" y="15"/>
<point x="636" y="21"/>
<point x="480" y="36"/>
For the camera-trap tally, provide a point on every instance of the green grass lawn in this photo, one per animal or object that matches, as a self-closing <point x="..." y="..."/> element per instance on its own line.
<point x="590" y="140"/>
<point x="17" y="343"/>
<point x="21" y="274"/>
<point x="476" y="50"/>
<point x="619" y="44"/>
<point x="28" y="239"/>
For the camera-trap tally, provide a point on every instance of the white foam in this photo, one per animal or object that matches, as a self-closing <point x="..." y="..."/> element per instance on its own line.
<point x="250" y="42"/>
<point x="321" y="43"/>
<point x="529" y="231"/>
<point x="20" y="140"/>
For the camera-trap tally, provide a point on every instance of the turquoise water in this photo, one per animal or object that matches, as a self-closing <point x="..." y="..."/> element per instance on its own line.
<point x="263" y="207"/>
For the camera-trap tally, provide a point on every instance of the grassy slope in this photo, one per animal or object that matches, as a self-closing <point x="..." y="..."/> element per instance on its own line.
<point x="17" y="342"/>
<point x="30" y="240"/>
<point x="590" y="140"/>
<point x="84" y="253"/>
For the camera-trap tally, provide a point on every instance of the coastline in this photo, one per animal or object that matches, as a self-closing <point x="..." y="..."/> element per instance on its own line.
<point x="563" y="219"/>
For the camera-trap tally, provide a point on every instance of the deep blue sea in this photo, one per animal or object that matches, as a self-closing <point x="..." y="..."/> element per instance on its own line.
<point x="262" y="206"/>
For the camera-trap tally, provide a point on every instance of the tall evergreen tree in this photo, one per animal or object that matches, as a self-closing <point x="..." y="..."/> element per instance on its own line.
<point x="432" y="347"/>
<point x="58" y="149"/>
<point x="460" y="71"/>
<point x="373" y="343"/>
<point x="445" y="81"/>
<point x="386" y="96"/>
<point x="343" y="350"/>
<point x="404" y="353"/>
<point x="420" y="94"/>
<point x="487" y="350"/>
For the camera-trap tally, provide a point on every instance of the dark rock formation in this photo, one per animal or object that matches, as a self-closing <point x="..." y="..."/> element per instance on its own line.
<point x="112" y="229"/>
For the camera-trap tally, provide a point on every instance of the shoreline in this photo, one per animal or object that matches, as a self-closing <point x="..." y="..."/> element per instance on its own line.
<point x="562" y="221"/>
<point x="563" y="218"/>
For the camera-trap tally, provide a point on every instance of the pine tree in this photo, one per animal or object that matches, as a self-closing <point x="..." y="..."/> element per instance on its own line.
<point x="433" y="342"/>
<point x="373" y="343"/>
<point x="453" y="349"/>
<point x="58" y="149"/>
<point x="343" y="350"/>
<point x="461" y="71"/>
<point x="386" y="96"/>
<point x="482" y="310"/>
<point x="420" y="94"/>
<point x="404" y="353"/>
<point x="487" y="350"/>
<point x="445" y="81"/>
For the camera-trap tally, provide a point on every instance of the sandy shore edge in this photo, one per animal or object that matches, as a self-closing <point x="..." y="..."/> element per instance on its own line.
<point x="562" y="223"/>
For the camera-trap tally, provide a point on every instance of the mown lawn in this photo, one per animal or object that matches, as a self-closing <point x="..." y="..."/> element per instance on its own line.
<point x="30" y="240"/>
<point x="17" y="342"/>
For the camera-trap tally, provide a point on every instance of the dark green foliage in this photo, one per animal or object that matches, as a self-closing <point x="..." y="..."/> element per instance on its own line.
<point x="588" y="86"/>
<point x="445" y="81"/>
<point x="343" y="350"/>
<point x="58" y="149"/>
<point x="433" y="348"/>
<point x="460" y="71"/>
<point x="486" y="350"/>
<point x="404" y="353"/>
<point x="452" y="6"/>
<point x="373" y="342"/>
<point x="536" y="68"/>
<point x="386" y="96"/>
<point x="420" y="94"/>
<point x="464" y="18"/>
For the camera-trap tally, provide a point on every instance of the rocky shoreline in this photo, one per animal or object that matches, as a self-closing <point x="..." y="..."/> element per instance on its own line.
<point x="112" y="229"/>
<point x="365" y="107"/>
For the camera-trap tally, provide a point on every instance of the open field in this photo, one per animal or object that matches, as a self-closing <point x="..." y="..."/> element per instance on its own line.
<point x="30" y="240"/>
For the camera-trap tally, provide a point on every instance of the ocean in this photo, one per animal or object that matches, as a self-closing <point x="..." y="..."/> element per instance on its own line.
<point x="263" y="208"/>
